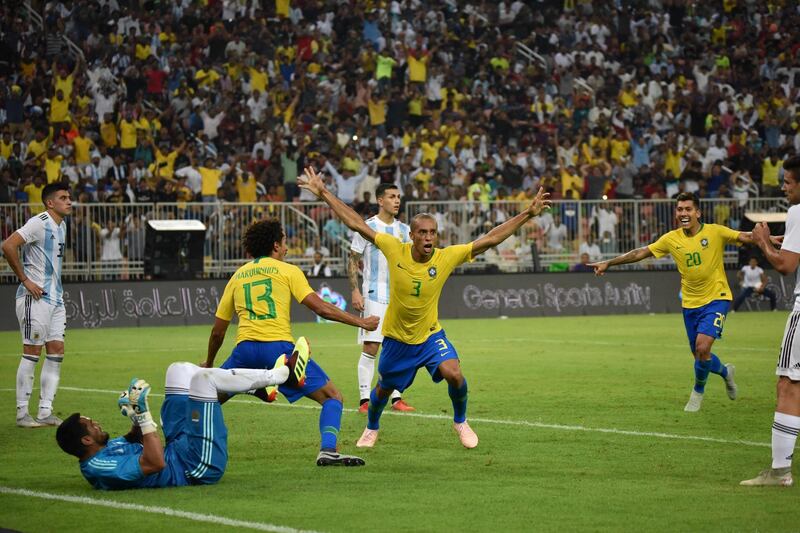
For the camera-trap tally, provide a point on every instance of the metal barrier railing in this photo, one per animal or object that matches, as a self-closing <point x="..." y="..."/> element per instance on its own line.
<point x="106" y="241"/>
<point x="555" y="240"/>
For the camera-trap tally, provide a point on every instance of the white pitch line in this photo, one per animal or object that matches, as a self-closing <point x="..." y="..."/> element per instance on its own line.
<point x="196" y="517"/>
<point x="317" y="345"/>
<point x="522" y="423"/>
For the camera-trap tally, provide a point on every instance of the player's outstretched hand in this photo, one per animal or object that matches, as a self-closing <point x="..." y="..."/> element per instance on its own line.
<point x="370" y="323"/>
<point x="540" y="202"/>
<point x="133" y="404"/>
<point x="311" y="181"/>
<point x="599" y="268"/>
<point x="124" y="404"/>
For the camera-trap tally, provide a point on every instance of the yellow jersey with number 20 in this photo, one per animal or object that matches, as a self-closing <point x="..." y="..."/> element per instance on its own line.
<point x="260" y="293"/>
<point x="414" y="288"/>
<point x="700" y="262"/>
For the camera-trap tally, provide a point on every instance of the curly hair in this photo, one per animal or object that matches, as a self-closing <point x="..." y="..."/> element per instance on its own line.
<point x="260" y="238"/>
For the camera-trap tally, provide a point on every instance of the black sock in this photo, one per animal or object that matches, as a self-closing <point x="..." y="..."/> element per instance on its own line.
<point x="363" y="401"/>
<point x="395" y="400"/>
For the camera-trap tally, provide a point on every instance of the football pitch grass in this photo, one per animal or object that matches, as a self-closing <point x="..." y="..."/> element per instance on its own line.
<point x="580" y="420"/>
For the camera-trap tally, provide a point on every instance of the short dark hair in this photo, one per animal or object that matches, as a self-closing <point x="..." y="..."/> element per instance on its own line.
<point x="69" y="435"/>
<point x="260" y="238"/>
<point x="383" y="187"/>
<point x="421" y="216"/>
<point x="689" y="197"/>
<point x="793" y="165"/>
<point x="51" y="188"/>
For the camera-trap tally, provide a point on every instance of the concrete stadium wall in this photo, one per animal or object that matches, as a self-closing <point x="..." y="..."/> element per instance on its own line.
<point x="170" y="303"/>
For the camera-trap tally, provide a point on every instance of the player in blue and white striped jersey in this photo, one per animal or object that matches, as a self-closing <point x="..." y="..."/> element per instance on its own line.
<point x="373" y="298"/>
<point x="40" y="301"/>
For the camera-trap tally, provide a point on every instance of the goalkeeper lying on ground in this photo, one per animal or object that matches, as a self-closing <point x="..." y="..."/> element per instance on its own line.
<point x="197" y="439"/>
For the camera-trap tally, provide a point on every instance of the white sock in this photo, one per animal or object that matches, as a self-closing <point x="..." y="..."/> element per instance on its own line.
<point x="395" y="395"/>
<point x="25" y="376"/>
<point x="208" y="381"/>
<point x="366" y="371"/>
<point x="50" y="376"/>
<point x="784" y="435"/>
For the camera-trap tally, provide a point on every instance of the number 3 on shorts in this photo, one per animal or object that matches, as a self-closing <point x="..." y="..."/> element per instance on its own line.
<point x="719" y="321"/>
<point x="442" y="345"/>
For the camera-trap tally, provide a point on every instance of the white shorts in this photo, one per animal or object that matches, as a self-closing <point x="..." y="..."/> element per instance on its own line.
<point x="40" y="322"/>
<point x="789" y="360"/>
<point x="372" y="308"/>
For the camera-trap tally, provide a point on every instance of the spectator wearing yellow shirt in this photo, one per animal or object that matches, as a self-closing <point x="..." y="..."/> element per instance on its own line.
<point x="83" y="146"/>
<point x="673" y="158"/>
<point x="38" y="146"/>
<point x="206" y="78"/>
<point x="570" y="179"/>
<point x="143" y="49"/>
<point x="620" y="147"/>
<point x="259" y="80"/>
<point x="6" y="144"/>
<point x="770" y="175"/>
<point x="480" y="191"/>
<point x="164" y="165"/>
<point x="127" y="135"/>
<point x="417" y="65"/>
<point x="182" y="191"/>
<point x="52" y="165"/>
<point x="34" y="192"/>
<point x="246" y="187"/>
<point x="377" y="114"/>
<point x="59" y="113"/>
<point x="282" y="8"/>
<point x="627" y="96"/>
<point x="108" y="132"/>
<point x="64" y="83"/>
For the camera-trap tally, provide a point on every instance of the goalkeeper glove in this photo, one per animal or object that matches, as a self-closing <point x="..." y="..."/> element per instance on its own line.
<point x="139" y="411"/>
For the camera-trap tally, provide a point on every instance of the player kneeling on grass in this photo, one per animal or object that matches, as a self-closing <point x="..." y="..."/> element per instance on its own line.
<point x="197" y="440"/>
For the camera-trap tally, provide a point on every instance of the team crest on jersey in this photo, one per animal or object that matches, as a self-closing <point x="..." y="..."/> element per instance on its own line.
<point x="704" y="243"/>
<point x="432" y="272"/>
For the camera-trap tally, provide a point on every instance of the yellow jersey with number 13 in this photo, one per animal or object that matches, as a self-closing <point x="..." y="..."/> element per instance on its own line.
<point x="260" y="293"/>
<point x="414" y="288"/>
<point x="700" y="261"/>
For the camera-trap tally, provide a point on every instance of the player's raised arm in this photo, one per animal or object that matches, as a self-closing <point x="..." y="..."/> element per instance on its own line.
<point x="634" y="256"/>
<point x="312" y="182"/>
<point x="502" y="232"/>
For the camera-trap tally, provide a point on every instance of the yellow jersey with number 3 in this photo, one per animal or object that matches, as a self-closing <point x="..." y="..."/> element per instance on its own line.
<point x="260" y="294"/>
<point x="414" y="288"/>
<point x="700" y="262"/>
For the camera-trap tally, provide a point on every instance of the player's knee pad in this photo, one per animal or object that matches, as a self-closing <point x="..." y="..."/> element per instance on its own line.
<point x="179" y="376"/>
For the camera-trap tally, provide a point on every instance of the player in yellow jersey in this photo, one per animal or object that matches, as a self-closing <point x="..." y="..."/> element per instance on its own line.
<point x="697" y="250"/>
<point x="413" y="337"/>
<point x="260" y="294"/>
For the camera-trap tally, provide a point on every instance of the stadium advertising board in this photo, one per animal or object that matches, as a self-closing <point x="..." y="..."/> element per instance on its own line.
<point x="126" y="304"/>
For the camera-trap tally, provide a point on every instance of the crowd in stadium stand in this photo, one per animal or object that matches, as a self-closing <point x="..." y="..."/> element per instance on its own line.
<point x="228" y="100"/>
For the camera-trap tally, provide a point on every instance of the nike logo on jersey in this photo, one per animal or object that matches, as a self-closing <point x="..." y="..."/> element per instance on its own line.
<point x="401" y="267"/>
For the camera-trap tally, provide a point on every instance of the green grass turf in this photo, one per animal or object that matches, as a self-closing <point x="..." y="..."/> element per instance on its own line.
<point x="625" y="372"/>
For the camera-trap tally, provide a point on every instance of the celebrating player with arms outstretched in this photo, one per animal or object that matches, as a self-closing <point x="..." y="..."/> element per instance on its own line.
<point x="413" y="337"/>
<point x="697" y="249"/>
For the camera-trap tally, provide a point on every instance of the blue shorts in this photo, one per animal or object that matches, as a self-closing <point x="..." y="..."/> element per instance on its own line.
<point x="399" y="361"/>
<point x="197" y="439"/>
<point x="253" y="354"/>
<point x="708" y="320"/>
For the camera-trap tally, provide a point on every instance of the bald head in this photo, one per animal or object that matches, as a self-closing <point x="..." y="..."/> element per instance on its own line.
<point x="420" y="217"/>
